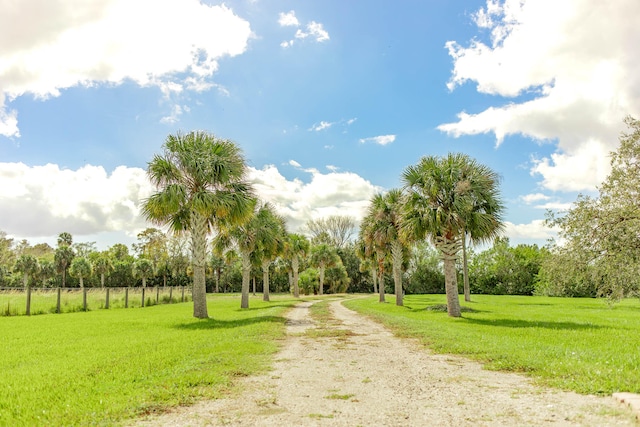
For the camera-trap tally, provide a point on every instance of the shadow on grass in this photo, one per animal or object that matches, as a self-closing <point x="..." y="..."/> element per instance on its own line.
<point x="226" y="324"/>
<point x="264" y="307"/>
<point x="513" y="323"/>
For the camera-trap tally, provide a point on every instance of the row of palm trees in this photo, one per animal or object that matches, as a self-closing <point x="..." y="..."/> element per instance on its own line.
<point x="202" y="188"/>
<point x="446" y="200"/>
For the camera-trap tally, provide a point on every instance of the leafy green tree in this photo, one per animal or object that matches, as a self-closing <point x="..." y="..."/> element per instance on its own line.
<point x="28" y="266"/>
<point x="322" y="257"/>
<point x="201" y="183"/>
<point x="296" y="249"/>
<point x="84" y="249"/>
<point x="143" y="269"/>
<point x="308" y="281"/>
<point x="81" y="268"/>
<point x="600" y="234"/>
<point x="446" y="197"/>
<point x="334" y="230"/>
<point x="337" y="278"/>
<point x="424" y="274"/>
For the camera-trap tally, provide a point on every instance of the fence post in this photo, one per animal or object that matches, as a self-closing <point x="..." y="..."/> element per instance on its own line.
<point x="126" y="297"/>
<point x="157" y="294"/>
<point x="58" y="301"/>
<point x="106" y="304"/>
<point x="143" y="296"/>
<point x="28" y="300"/>
<point x="84" y="298"/>
<point x="170" y="294"/>
<point x="183" y="294"/>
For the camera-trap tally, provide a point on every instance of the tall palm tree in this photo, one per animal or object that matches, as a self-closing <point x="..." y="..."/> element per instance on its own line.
<point x="386" y="210"/>
<point x="297" y="248"/>
<point x="62" y="258"/>
<point x="375" y="246"/>
<point x="322" y="257"/>
<point x="261" y="233"/>
<point x="447" y="196"/>
<point x="270" y="244"/>
<point x="201" y="183"/>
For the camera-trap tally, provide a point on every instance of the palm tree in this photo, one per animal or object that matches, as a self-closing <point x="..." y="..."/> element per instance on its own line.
<point x="323" y="256"/>
<point x="270" y="243"/>
<point x="386" y="210"/>
<point x="445" y="197"/>
<point x="202" y="182"/>
<point x="102" y="265"/>
<point x="296" y="249"/>
<point x="143" y="269"/>
<point x="80" y="268"/>
<point x="367" y="262"/>
<point x="47" y="272"/>
<point x="28" y="266"/>
<point x="65" y="239"/>
<point x="62" y="258"/>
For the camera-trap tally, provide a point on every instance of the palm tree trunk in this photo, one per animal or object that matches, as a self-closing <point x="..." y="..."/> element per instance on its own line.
<point x="265" y="281"/>
<point x="381" y="278"/>
<point x="294" y="266"/>
<point x="254" y="285"/>
<point x="396" y="253"/>
<point x="449" y="253"/>
<point x="246" y="280"/>
<point x="374" y="275"/>
<point x="465" y="269"/>
<point x="321" y="288"/>
<point x="199" y="231"/>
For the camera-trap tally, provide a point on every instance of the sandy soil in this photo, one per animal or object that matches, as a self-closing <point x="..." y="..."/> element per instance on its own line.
<point x="361" y="375"/>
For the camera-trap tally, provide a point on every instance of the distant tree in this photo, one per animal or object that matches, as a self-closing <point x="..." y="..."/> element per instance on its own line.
<point x="336" y="230"/>
<point x="65" y="239"/>
<point x="28" y="266"/>
<point x="63" y="258"/>
<point x="81" y="268"/>
<point x="599" y="235"/>
<point x="201" y="183"/>
<point x="296" y="249"/>
<point x="308" y="281"/>
<point x="47" y="272"/>
<point x="270" y="243"/>
<point x="424" y="273"/>
<point x="84" y="249"/>
<point x="143" y="269"/>
<point x="102" y="266"/>
<point x="322" y="257"/>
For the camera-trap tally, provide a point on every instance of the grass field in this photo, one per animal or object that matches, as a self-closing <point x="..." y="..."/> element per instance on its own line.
<point x="44" y="301"/>
<point x="105" y="366"/>
<point x="571" y="343"/>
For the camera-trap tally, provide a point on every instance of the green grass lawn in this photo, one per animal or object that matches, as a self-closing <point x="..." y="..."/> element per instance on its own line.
<point x="105" y="366"/>
<point x="571" y="343"/>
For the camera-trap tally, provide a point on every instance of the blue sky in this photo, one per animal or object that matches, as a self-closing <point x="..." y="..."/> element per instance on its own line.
<point x="330" y="101"/>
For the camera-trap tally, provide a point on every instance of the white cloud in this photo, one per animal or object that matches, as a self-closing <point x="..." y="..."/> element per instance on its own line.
<point x="170" y="44"/>
<point x="334" y="193"/>
<point x="381" y="140"/>
<point x="41" y="201"/>
<point x="535" y="197"/>
<point x="46" y="200"/>
<point x="332" y="168"/>
<point x="295" y="164"/>
<point x="313" y="30"/>
<point x="321" y="126"/>
<point x="576" y="63"/>
<point x="535" y="230"/>
<point x="176" y="112"/>
<point x="288" y="19"/>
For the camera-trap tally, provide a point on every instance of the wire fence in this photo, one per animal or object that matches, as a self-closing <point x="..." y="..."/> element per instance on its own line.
<point x="32" y="301"/>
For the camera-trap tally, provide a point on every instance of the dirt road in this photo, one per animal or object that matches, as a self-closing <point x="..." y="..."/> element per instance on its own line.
<point x="354" y="372"/>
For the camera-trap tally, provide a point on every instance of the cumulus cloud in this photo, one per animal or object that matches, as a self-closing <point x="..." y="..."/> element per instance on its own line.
<point x="535" y="197"/>
<point x="46" y="200"/>
<point x="40" y="201"/>
<point x="334" y="193"/>
<point x="380" y="140"/>
<point x="172" y="44"/>
<point x="535" y="230"/>
<point x="575" y="63"/>
<point x="313" y="30"/>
